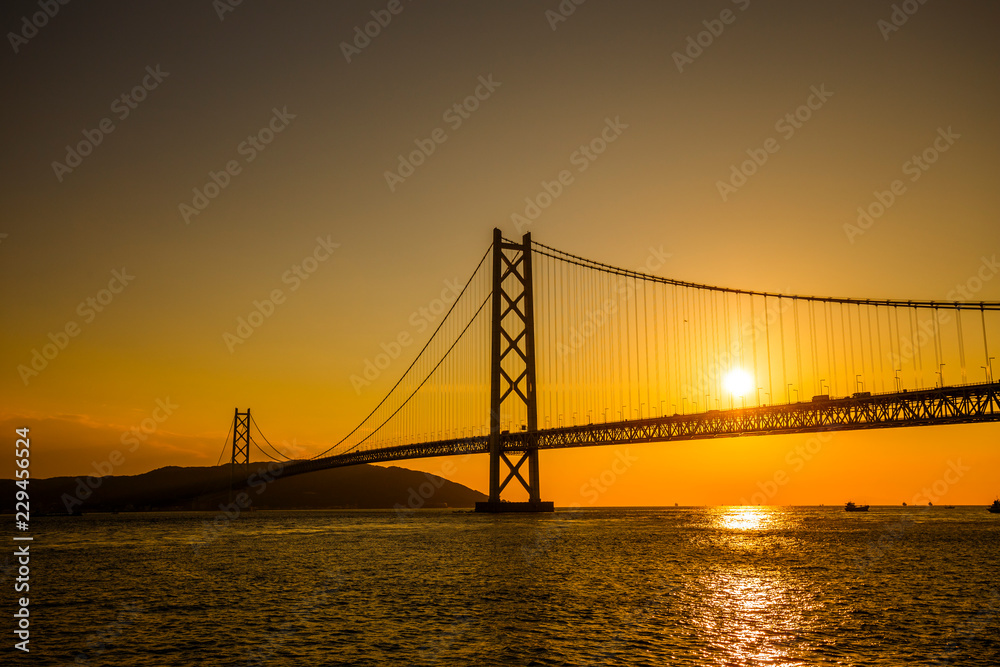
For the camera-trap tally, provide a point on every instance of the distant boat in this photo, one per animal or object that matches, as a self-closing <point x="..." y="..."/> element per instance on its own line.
<point x="851" y="507"/>
<point x="995" y="507"/>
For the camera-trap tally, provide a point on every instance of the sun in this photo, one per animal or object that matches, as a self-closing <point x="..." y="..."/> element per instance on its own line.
<point x="738" y="382"/>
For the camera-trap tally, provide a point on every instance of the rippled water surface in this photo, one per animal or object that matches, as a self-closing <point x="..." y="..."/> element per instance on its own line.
<point x="700" y="586"/>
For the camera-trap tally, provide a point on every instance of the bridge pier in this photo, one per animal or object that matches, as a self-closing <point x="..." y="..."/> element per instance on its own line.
<point x="504" y="507"/>
<point x="513" y="362"/>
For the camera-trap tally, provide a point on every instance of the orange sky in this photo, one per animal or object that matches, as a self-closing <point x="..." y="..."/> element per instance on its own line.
<point x="383" y="249"/>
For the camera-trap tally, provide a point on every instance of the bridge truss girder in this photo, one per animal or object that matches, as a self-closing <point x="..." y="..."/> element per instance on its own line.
<point x="952" y="405"/>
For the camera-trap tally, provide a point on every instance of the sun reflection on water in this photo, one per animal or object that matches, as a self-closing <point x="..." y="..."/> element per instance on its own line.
<point x="749" y="618"/>
<point x="746" y="518"/>
<point x="751" y="610"/>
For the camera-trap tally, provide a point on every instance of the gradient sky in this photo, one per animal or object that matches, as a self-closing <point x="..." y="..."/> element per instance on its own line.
<point x="323" y="176"/>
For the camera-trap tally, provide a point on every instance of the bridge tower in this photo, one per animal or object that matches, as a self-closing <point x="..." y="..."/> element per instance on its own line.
<point x="513" y="341"/>
<point x="241" y="441"/>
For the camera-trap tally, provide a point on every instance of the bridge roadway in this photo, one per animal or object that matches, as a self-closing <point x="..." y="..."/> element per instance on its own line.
<point x="961" y="404"/>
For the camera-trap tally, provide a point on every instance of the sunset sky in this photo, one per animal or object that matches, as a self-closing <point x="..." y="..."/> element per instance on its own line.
<point x="244" y="139"/>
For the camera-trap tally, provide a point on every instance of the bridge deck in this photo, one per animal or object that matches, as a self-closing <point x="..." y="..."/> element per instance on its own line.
<point x="962" y="404"/>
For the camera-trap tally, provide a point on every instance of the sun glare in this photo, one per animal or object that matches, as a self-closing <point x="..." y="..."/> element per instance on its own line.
<point x="738" y="382"/>
<point x="744" y="518"/>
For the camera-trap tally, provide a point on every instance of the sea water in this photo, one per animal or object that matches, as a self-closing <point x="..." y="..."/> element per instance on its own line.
<point x="634" y="586"/>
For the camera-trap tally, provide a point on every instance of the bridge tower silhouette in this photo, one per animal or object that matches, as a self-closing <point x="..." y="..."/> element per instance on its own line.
<point x="241" y="440"/>
<point x="512" y="376"/>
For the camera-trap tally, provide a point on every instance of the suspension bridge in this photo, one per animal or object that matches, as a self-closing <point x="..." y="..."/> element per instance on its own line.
<point x="544" y="349"/>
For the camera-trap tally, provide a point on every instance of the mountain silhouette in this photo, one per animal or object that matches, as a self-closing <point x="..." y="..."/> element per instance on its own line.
<point x="205" y="488"/>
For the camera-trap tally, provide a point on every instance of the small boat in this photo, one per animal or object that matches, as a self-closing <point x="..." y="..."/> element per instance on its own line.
<point x="851" y="507"/>
<point x="995" y="507"/>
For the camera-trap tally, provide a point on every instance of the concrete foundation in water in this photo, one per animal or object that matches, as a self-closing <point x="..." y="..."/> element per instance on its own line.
<point x="504" y="507"/>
